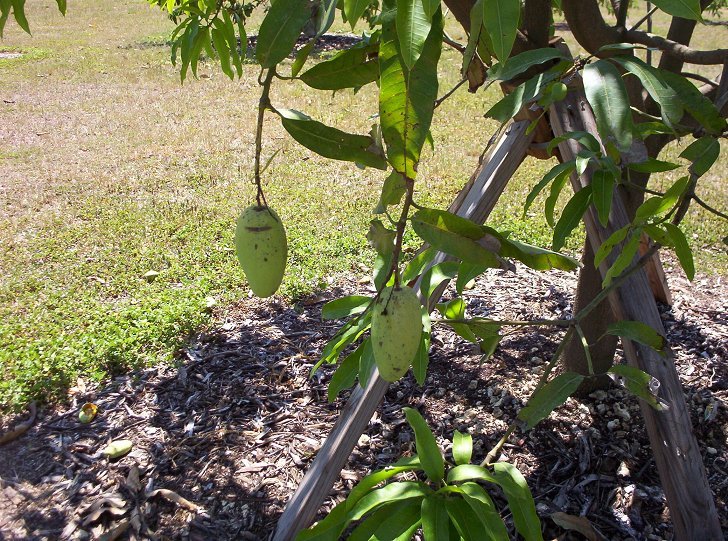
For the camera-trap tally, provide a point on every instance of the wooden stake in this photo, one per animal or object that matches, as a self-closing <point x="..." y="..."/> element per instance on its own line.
<point x="475" y="201"/>
<point x="674" y="447"/>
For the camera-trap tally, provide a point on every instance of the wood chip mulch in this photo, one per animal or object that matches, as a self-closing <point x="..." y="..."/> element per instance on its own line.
<point x="222" y="439"/>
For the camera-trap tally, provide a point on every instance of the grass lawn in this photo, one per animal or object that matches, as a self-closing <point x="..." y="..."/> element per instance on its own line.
<point x="109" y="169"/>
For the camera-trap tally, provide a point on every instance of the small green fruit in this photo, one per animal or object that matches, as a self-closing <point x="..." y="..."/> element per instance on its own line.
<point x="117" y="449"/>
<point x="559" y="91"/>
<point x="260" y="243"/>
<point x="396" y="331"/>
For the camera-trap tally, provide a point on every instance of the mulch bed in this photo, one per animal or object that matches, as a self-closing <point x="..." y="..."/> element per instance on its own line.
<point x="222" y="439"/>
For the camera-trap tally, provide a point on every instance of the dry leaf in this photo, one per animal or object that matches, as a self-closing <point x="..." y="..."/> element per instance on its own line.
<point x="578" y="524"/>
<point x="175" y="498"/>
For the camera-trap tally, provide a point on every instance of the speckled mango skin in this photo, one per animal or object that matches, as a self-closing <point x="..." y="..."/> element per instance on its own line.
<point x="396" y="331"/>
<point x="262" y="249"/>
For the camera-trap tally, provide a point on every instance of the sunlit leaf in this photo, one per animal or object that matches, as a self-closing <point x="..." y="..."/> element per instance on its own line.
<point x="549" y="397"/>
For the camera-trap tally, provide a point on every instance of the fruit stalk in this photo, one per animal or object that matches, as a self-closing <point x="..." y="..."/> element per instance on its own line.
<point x="263" y="104"/>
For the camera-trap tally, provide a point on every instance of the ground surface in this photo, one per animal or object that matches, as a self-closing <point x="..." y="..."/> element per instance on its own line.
<point x="234" y="427"/>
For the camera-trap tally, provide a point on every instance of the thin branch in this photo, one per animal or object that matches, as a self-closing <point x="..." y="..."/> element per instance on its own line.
<point x="508" y="323"/>
<point x="647" y="17"/>
<point x="700" y="78"/>
<point x="673" y="48"/>
<point x="449" y="93"/>
<point x="709" y="208"/>
<point x="447" y="40"/>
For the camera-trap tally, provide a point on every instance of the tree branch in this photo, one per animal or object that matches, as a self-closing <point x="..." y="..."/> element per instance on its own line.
<point x="537" y="13"/>
<point x="681" y="52"/>
<point x="588" y="26"/>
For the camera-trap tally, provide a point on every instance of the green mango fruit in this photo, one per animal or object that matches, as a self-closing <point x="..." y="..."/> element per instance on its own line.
<point x="396" y="331"/>
<point x="559" y="91"/>
<point x="117" y="449"/>
<point x="262" y="249"/>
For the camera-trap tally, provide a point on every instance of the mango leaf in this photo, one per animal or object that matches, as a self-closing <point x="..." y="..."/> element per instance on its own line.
<point x="470" y="472"/>
<point x="330" y="142"/>
<point x="413" y="27"/>
<point x="509" y="105"/>
<point x="327" y="529"/>
<point x="345" y="375"/>
<point x="422" y="359"/>
<point x="280" y="30"/>
<point x="687" y="9"/>
<point x="393" y="492"/>
<point x="392" y="191"/>
<point x="455" y="309"/>
<point x="350" y="68"/>
<point x="639" y="383"/>
<point x="363" y="487"/>
<point x="354" y="9"/>
<point x="435" y="520"/>
<point x="462" y="448"/>
<point x="608" y="98"/>
<point x="380" y="238"/>
<point x="406" y="96"/>
<point x="571" y="216"/>
<point x="389" y="522"/>
<point x="535" y="257"/>
<point x="519" y="499"/>
<point x="301" y="57"/>
<point x="366" y="363"/>
<point x="476" y="30"/>
<point x="625" y="258"/>
<point x="638" y="332"/>
<point x="427" y="449"/>
<point x="434" y="276"/>
<point x="554" y="192"/>
<point x="515" y="65"/>
<point x="348" y="334"/>
<point x="658" y="234"/>
<point x="602" y="183"/>
<point x="382" y="271"/>
<point x="500" y="18"/>
<point x="453" y="235"/>
<point x="465" y="519"/>
<point x="466" y="273"/>
<point x="699" y="107"/>
<point x="651" y="78"/>
<point x="325" y="17"/>
<point x="485" y="509"/>
<point x="703" y="153"/>
<point x="549" y="397"/>
<point x="560" y="170"/>
<point x="585" y="139"/>
<point x="418" y="264"/>
<point x="345" y="307"/>
<point x="608" y="245"/>
<point x="682" y="249"/>
<point x="652" y="165"/>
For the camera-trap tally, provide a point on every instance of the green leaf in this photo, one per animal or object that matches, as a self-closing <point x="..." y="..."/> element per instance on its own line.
<point x="638" y="332"/>
<point x="228" y="29"/>
<point x="607" y="96"/>
<point x="455" y="309"/>
<point x="466" y="273"/>
<point x="682" y="249"/>
<point x="652" y="165"/>
<point x="453" y="235"/>
<point x="431" y="7"/>
<point x="327" y="529"/>
<point x="520" y="500"/>
<point x="392" y="191"/>
<point x="602" y="183"/>
<point x="560" y="170"/>
<point x="301" y="57"/>
<point x="345" y="375"/>
<point x="673" y="195"/>
<point x="549" y="397"/>
<point x="325" y="17"/>
<point x="639" y="383"/>
<point x="500" y="18"/>
<point x="350" y="68"/>
<point x="380" y="238"/>
<point x="434" y="276"/>
<point x="418" y="264"/>
<point x="364" y="486"/>
<point x="223" y="52"/>
<point x="389" y="522"/>
<point x="554" y="193"/>
<point x="435" y="520"/>
<point x="382" y="271"/>
<point x="585" y="139"/>
<point x="345" y="307"/>
<point x="422" y="359"/>
<point x="608" y="245"/>
<point x="514" y="66"/>
<point x="354" y="9"/>
<point x="476" y="29"/>
<point x="406" y="96"/>
<point x="509" y="105"/>
<point x="280" y="30"/>
<point x="571" y="216"/>
<point x="465" y="519"/>
<point x="427" y="449"/>
<point x="658" y="234"/>
<point x="700" y="107"/>
<point x="485" y="509"/>
<point x="651" y="78"/>
<point x="413" y="27"/>
<point x="19" y="14"/>
<point x="470" y="472"/>
<point x="687" y="9"/>
<point x="462" y="447"/>
<point x="625" y="257"/>
<point x="703" y="153"/>
<point x="61" y="6"/>
<point x="393" y="492"/>
<point x="348" y="334"/>
<point x="366" y="363"/>
<point x="330" y="142"/>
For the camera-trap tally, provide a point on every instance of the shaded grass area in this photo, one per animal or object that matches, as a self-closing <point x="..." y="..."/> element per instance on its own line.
<point x="111" y="169"/>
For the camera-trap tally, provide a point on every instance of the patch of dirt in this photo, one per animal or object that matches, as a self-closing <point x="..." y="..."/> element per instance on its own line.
<point x="228" y="433"/>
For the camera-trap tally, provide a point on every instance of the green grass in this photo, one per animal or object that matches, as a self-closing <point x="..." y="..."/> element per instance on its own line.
<point x="111" y="168"/>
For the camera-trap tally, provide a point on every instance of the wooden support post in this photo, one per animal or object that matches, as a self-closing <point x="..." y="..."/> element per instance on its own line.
<point x="475" y="201"/>
<point x="674" y="446"/>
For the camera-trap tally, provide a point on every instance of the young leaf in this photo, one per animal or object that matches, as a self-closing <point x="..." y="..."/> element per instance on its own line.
<point x="413" y="27"/>
<point x="571" y="216"/>
<point x="514" y="66"/>
<point x="380" y="238"/>
<point x="418" y="264"/>
<point x="393" y="492"/>
<point x="585" y="139"/>
<point x="519" y="499"/>
<point x="625" y="258"/>
<point x="554" y="192"/>
<point x="462" y="447"/>
<point x="389" y="522"/>
<point x="638" y="332"/>
<point x="345" y="307"/>
<point x="435" y="520"/>
<point x="330" y="142"/>
<point x="485" y="509"/>
<point x="280" y="30"/>
<point x="607" y="96"/>
<point x="470" y="472"/>
<point x="350" y="68"/>
<point x="639" y="383"/>
<point x="354" y="9"/>
<point x="560" y="170"/>
<point x="406" y="96"/>
<point x="703" y="153"/>
<point x="549" y="397"/>
<point x="652" y="165"/>
<point x="466" y="273"/>
<point x="427" y="449"/>
<point x="364" y="486"/>
<point x="700" y="107"/>
<point x="465" y="519"/>
<point x="345" y="374"/>
<point x="682" y="249"/>
<point x="392" y="191"/>
<point x="602" y="190"/>
<point x="366" y="363"/>
<point x="686" y="9"/>
<point x="500" y="18"/>
<point x="422" y="359"/>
